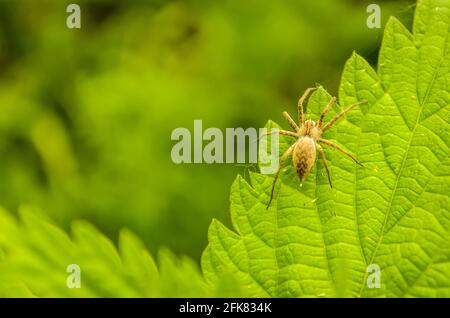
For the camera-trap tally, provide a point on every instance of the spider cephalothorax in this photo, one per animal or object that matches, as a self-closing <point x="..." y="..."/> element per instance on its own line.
<point x="309" y="138"/>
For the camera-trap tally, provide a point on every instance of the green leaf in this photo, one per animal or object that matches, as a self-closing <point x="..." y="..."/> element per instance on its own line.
<point x="35" y="255"/>
<point x="319" y="242"/>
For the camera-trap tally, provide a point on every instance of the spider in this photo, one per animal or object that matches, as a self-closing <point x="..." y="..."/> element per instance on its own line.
<point x="309" y="141"/>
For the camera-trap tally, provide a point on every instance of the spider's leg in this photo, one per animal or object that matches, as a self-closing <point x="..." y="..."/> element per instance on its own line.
<point x="325" y="162"/>
<point x="325" y="111"/>
<point x="345" y="152"/>
<point x="338" y="116"/>
<point x="281" y="132"/>
<point x="290" y="121"/>
<point x="300" y="111"/>
<point x="283" y="160"/>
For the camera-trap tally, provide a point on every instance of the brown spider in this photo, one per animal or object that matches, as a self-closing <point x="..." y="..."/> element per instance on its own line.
<point x="308" y="136"/>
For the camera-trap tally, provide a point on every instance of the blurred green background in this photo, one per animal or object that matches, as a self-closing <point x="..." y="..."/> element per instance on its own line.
<point x="86" y="114"/>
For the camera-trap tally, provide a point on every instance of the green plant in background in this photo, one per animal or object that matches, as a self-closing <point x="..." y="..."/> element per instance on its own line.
<point x="35" y="255"/>
<point x="86" y="115"/>
<point x="394" y="213"/>
<point x="314" y="241"/>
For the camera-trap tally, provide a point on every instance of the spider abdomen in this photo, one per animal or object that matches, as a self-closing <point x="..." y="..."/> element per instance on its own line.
<point x="304" y="156"/>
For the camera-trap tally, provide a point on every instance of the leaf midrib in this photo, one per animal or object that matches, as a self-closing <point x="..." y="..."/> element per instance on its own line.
<point x="394" y="190"/>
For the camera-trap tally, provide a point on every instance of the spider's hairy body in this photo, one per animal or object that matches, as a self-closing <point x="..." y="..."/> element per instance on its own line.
<point x="304" y="157"/>
<point x="309" y="137"/>
<point x="310" y="129"/>
<point x="304" y="153"/>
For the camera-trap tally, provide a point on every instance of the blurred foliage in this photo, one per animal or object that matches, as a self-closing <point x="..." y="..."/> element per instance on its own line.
<point x="86" y="115"/>
<point x="35" y="260"/>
